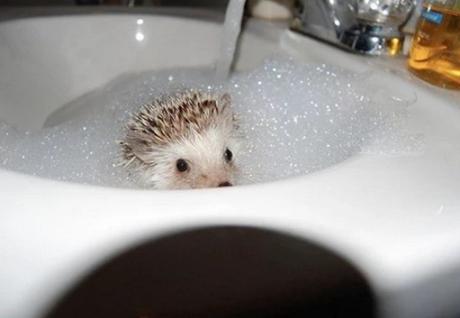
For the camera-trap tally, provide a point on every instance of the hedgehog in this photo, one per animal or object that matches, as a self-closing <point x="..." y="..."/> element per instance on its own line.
<point x="182" y="141"/>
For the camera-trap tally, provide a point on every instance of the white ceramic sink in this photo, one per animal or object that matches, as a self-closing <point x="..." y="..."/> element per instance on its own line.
<point x="396" y="217"/>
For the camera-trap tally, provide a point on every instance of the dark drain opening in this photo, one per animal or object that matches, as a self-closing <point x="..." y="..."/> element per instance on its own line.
<point x="221" y="272"/>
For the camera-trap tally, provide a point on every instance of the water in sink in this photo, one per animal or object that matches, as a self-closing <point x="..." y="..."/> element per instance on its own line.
<point x="295" y="119"/>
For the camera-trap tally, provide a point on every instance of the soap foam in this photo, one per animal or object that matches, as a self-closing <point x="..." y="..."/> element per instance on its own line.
<point x="294" y="119"/>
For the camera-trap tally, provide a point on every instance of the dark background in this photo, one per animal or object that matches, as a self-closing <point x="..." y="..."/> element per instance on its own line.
<point x="207" y="3"/>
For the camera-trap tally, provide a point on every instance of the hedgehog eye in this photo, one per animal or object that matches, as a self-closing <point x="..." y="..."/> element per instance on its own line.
<point x="181" y="165"/>
<point x="228" y="155"/>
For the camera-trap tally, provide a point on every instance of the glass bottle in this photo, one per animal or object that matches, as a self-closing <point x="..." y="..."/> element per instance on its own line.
<point x="435" y="52"/>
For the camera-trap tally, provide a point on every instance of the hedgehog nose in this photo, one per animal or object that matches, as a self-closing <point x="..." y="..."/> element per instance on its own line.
<point x="225" y="184"/>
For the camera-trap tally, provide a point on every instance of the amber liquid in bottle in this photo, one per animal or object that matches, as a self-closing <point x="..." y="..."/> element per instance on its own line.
<point x="435" y="52"/>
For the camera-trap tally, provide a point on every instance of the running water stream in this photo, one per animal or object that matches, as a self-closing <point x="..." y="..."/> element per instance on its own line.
<point x="230" y="33"/>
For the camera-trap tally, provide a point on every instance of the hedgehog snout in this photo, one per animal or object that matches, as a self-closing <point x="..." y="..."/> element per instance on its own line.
<point x="225" y="184"/>
<point x="215" y="179"/>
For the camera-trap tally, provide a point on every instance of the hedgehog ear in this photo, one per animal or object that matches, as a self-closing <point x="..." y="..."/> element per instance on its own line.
<point x="141" y="150"/>
<point x="225" y="101"/>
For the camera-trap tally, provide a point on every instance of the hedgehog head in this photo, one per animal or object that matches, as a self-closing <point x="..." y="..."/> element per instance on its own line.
<point x="181" y="142"/>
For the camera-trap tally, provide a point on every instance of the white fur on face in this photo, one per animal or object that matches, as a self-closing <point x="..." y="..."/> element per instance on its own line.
<point x="205" y="155"/>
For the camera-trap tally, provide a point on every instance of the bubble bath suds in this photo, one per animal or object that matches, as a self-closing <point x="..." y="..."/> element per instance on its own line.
<point x="295" y="119"/>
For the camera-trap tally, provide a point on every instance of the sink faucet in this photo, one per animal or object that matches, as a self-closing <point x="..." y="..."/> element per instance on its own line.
<point x="364" y="26"/>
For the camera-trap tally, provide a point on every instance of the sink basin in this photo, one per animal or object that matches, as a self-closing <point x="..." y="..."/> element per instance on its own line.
<point x="395" y="217"/>
<point x="53" y="60"/>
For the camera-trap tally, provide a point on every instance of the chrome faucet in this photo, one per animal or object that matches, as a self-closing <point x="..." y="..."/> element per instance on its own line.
<point x="364" y="26"/>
